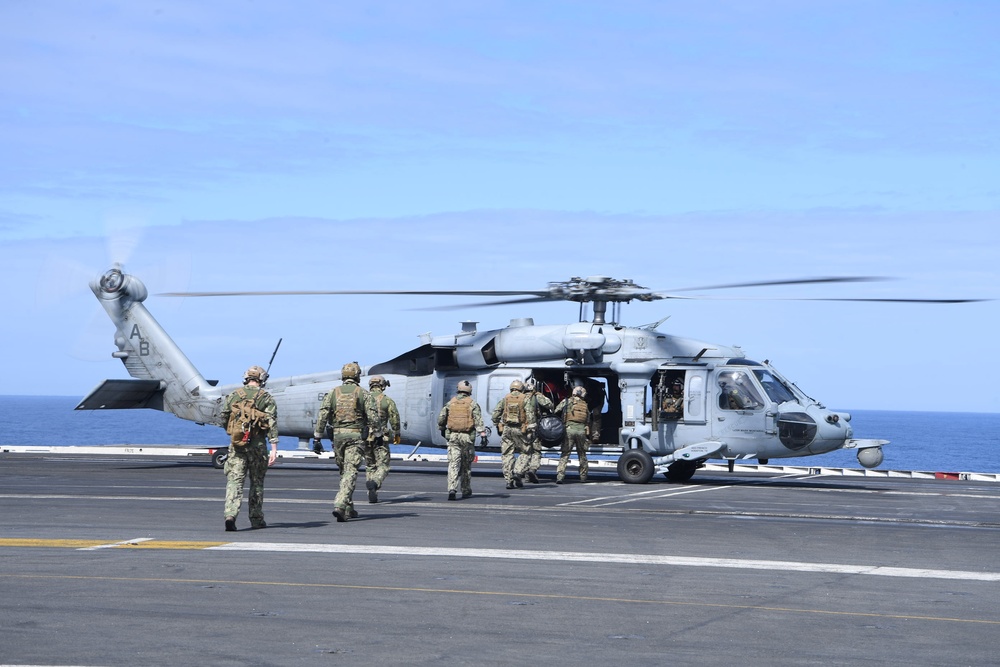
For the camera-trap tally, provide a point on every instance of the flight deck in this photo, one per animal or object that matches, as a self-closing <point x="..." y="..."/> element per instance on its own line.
<point x="122" y="559"/>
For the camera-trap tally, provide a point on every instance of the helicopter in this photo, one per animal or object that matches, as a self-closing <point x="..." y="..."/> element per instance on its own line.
<point x="727" y="406"/>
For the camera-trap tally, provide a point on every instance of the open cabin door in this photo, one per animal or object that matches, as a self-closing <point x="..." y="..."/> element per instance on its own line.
<point x="680" y="408"/>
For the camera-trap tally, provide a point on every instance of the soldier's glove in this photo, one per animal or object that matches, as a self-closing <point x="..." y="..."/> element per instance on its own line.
<point x="317" y="446"/>
<point x="396" y="439"/>
<point x="500" y="428"/>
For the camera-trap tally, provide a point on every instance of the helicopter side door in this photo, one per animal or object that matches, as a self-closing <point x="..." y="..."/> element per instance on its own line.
<point x="680" y="402"/>
<point x="417" y="418"/>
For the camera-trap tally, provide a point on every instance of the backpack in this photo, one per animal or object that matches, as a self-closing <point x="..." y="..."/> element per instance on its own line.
<point x="460" y="418"/>
<point x="245" y="418"/>
<point x="513" y="413"/>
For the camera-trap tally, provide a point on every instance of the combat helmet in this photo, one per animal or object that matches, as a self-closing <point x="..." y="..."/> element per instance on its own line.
<point x="377" y="381"/>
<point x="351" y="371"/>
<point x="255" y="373"/>
<point x="517" y="385"/>
<point x="465" y="387"/>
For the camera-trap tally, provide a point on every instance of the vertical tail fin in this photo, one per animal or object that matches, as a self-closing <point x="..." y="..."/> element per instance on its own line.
<point x="165" y="378"/>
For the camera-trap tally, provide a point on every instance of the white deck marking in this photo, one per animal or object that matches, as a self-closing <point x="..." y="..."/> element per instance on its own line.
<point x="112" y="545"/>
<point x="613" y="558"/>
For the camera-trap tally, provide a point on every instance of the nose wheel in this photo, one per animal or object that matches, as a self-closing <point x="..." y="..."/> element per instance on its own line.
<point x="681" y="471"/>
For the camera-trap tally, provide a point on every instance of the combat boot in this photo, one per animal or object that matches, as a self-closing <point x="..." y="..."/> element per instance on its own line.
<point x="372" y="491"/>
<point x="452" y="495"/>
<point x="517" y="482"/>
<point x="230" y="523"/>
<point x="532" y="477"/>
<point x="341" y="514"/>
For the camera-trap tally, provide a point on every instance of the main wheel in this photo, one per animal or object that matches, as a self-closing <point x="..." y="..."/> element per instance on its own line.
<point x="635" y="467"/>
<point x="219" y="457"/>
<point x="680" y="471"/>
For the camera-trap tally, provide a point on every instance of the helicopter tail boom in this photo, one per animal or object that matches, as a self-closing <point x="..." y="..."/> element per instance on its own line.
<point x="164" y="378"/>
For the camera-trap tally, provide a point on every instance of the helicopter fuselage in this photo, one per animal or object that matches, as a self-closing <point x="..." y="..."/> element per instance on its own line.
<point x="724" y="406"/>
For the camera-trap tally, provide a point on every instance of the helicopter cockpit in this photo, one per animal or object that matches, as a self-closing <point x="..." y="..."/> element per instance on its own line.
<point x="737" y="392"/>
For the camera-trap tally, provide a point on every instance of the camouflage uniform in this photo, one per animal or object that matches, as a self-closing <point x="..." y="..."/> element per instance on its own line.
<point x="383" y="424"/>
<point x="541" y="405"/>
<point x="672" y="405"/>
<point x="461" y="443"/>
<point x="576" y="416"/>
<point x="250" y="458"/>
<point x="348" y="445"/>
<point x="515" y="419"/>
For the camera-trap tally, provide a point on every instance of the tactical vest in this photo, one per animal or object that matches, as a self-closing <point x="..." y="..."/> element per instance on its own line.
<point x="460" y="417"/>
<point x="245" y="418"/>
<point x="513" y="412"/>
<point x="381" y="403"/>
<point x="577" y="411"/>
<point x="345" y="408"/>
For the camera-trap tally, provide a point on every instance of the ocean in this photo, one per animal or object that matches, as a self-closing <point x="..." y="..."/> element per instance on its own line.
<point x="925" y="441"/>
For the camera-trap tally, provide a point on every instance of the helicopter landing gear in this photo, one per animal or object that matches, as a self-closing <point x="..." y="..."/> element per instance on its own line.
<point x="681" y="471"/>
<point x="636" y="467"/>
<point x="219" y="457"/>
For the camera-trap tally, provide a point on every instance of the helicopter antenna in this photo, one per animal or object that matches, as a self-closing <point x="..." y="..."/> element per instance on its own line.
<point x="652" y="326"/>
<point x="273" y="355"/>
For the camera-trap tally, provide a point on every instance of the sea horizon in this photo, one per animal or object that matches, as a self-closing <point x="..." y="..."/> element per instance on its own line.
<point x="918" y="440"/>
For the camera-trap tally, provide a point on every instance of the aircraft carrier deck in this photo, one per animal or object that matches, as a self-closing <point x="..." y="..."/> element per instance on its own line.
<point x="117" y="559"/>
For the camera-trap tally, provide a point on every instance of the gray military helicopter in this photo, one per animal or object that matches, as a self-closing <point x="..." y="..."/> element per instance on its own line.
<point x="732" y="408"/>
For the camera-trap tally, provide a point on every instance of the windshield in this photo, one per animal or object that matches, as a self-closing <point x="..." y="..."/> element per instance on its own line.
<point x="776" y="390"/>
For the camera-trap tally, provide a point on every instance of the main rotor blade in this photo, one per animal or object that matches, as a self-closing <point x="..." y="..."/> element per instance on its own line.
<point x="533" y="293"/>
<point x="533" y="299"/>
<point x="768" y="283"/>
<point x="807" y="298"/>
<point x="894" y="300"/>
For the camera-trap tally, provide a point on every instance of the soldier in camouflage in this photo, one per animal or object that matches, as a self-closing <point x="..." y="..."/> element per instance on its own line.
<point x="672" y="406"/>
<point x="383" y="428"/>
<point x="515" y="421"/>
<point x="251" y="419"/>
<point x="576" y="416"/>
<point x="460" y="420"/>
<point x="541" y="405"/>
<point x="344" y="409"/>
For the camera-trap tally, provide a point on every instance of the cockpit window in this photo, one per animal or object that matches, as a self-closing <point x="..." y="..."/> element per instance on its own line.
<point x="737" y="392"/>
<point x="776" y="390"/>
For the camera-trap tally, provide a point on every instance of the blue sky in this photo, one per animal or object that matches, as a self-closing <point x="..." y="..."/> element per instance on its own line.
<point x="506" y="144"/>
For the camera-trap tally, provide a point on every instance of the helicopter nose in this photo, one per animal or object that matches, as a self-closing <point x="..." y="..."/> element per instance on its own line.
<point x="796" y="430"/>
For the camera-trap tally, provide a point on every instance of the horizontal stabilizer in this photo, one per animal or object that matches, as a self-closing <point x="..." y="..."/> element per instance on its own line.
<point x="124" y="394"/>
